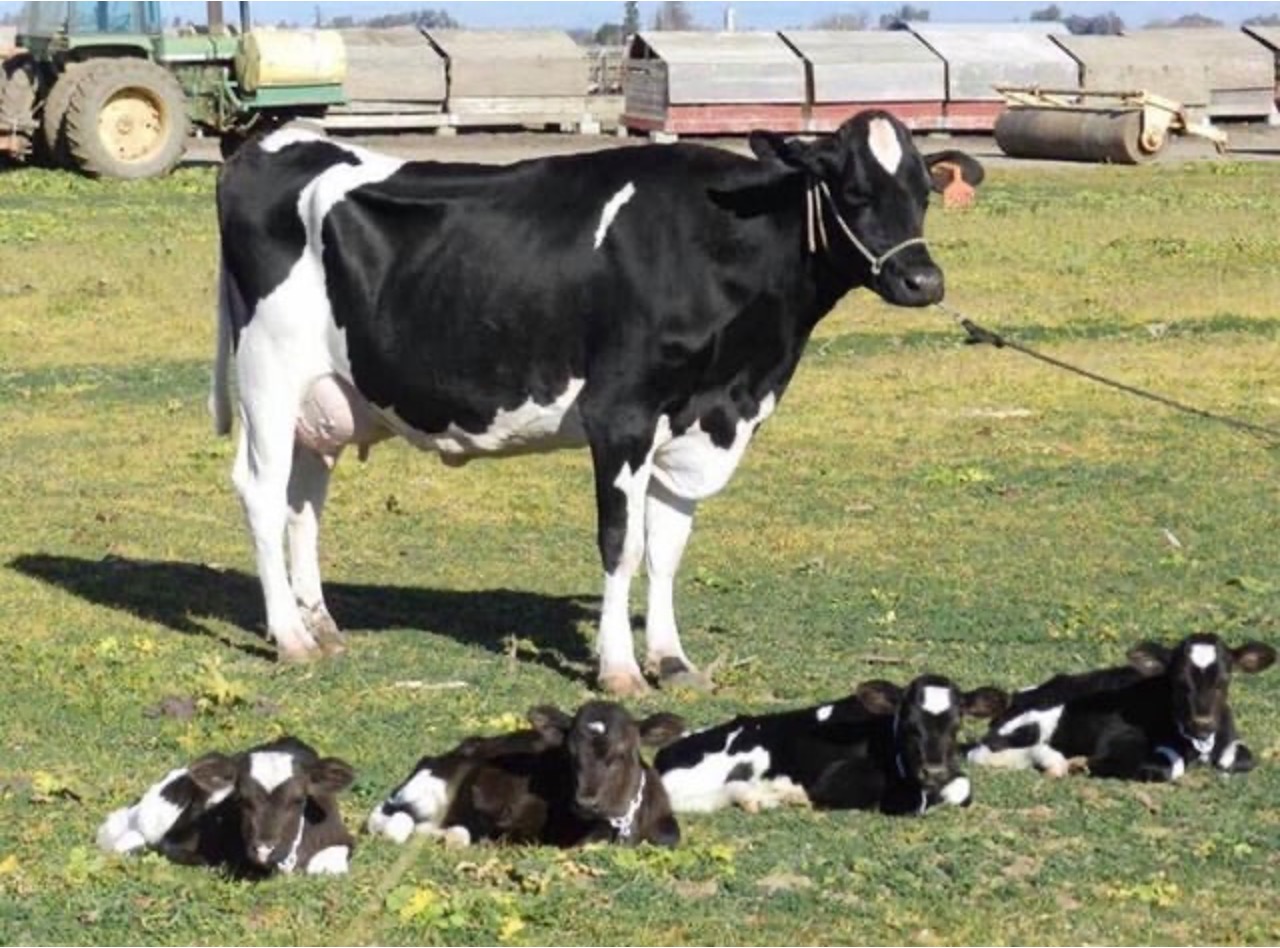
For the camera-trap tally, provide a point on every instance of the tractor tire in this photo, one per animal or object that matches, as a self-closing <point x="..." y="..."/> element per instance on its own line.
<point x="127" y="118"/>
<point x="53" y="126"/>
<point x="17" y="107"/>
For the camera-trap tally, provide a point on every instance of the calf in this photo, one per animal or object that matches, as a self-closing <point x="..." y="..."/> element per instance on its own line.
<point x="885" y="747"/>
<point x="1145" y="721"/>
<point x="272" y="807"/>
<point x="566" y="782"/>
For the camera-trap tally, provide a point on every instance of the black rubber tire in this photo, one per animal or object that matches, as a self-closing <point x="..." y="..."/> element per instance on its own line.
<point x="18" y="82"/>
<point x="140" y="149"/>
<point x="53" y="129"/>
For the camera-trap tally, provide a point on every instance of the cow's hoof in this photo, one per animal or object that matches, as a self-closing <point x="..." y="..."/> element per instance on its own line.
<point x="324" y="630"/>
<point x="623" y="684"/>
<point x="677" y="673"/>
<point x="298" y="654"/>
<point x="330" y="640"/>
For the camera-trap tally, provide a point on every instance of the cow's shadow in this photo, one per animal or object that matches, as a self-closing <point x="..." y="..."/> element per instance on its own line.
<point x="179" y="595"/>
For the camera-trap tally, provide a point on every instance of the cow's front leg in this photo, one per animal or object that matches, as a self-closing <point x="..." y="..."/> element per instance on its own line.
<point x="308" y="487"/>
<point x="667" y="523"/>
<point x="622" y="481"/>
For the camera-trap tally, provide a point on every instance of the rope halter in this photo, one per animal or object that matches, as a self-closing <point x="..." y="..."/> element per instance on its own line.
<point x="816" y="228"/>
<point x="623" y="825"/>
<point x="290" y="862"/>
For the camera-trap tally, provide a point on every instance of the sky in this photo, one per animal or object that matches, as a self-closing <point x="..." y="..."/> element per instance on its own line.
<point x="751" y="14"/>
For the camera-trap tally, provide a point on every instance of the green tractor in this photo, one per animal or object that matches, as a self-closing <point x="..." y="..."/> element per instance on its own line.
<point x="106" y="89"/>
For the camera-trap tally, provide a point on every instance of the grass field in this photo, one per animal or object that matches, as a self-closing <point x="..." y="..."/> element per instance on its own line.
<point x="917" y="504"/>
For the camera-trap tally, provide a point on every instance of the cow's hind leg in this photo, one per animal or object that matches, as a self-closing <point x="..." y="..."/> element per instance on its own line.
<point x="261" y="474"/>
<point x="668" y="522"/>
<point x="622" y="480"/>
<point x="308" y="487"/>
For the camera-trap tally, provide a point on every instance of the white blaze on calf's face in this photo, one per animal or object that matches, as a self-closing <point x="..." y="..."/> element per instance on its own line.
<point x="270" y="769"/>
<point x="1203" y="656"/>
<point x="936" y="700"/>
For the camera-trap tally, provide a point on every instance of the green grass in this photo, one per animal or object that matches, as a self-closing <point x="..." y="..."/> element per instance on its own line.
<point x="918" y="504"/>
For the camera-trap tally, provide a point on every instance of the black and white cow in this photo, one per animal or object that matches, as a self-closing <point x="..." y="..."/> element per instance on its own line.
<point x="272" y="808"/>
<point x="1147" y="720"/>
<point x="651" y="303"/>
<point x="883" y="748"/>
<point x="567" y="781"/>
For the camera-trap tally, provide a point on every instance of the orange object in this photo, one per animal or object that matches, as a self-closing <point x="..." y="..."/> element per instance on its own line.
<point x="957" y="192"/>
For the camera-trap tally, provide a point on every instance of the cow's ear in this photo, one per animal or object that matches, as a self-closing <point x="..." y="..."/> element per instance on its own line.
<point x="213" y="773"/>
<point x="659" y="730"/>
<point x="1150" y="658"/>
<point x="1253" y="657"/>
<point x="971" y="169"/>
<point x="330" y="775"/>
<point x="985" y="702"/>
<point x="819" y="159"/>
<point x="879" y="697"/>
<point x="549" y="721"/>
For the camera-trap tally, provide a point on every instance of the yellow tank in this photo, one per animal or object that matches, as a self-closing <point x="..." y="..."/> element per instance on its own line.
<point x="270" y="58"/>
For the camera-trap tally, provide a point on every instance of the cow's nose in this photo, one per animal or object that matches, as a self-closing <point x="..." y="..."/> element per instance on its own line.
<point x="926" y="282"/>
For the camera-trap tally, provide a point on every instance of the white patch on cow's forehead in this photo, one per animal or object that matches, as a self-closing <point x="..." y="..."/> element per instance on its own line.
<point x="936" y="700"/>
<point x="823" y="712"/>
<point x="611" y="209"/>
<point x="883" y="139"/>
<point x="1202" y="655"/>
<point x="596" y="727"/>
<point x="270" y="768"/>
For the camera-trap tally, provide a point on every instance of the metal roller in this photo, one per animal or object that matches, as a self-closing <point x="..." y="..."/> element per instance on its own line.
<point x="1104" y="135"/>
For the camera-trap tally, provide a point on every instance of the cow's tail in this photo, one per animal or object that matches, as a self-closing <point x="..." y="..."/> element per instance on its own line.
<point x="220" y="392"/>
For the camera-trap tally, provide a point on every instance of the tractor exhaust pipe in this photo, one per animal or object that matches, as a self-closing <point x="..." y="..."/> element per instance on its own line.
<point x="246" y="18"/>
<point x="213" y="16"/>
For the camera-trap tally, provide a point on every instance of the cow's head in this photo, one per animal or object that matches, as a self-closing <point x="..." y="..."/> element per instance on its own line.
<point x="870" y="177"/>
<point x="927" y="723"/>
<point x="272" y="791"/>
<point x="603" y="741"/>
<point x="1199" y="669"/>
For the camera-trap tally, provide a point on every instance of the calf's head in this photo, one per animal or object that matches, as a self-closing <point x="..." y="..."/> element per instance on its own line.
<point x="926" y="725"/>
<point x="1199" y="669"/>
<point x="272" y="790"/>
<point x="870" y="178"/>
<point x="603" y="741"/>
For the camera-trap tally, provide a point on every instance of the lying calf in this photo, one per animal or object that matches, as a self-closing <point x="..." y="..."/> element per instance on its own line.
<point x="272" y="807"/>
<point x="565" y="782"/>
<point x="1145" y="721"/>
<point x="885" y="748"/>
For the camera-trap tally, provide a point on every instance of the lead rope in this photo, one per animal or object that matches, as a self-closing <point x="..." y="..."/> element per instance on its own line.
<point x="816" y="228"/>
<point x="979" y="335"/>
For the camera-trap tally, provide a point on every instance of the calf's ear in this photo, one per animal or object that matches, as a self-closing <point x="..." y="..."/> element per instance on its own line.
<point x="1253" y="657"/>
<point x="330" y="775"/>
<point x="985" y="702"/>
<point x="549" y="721"/>
<point x="1149" y="658"/>
<point x="659" y="730"/>
<point x="213" y="772"/>
<point x="971" y="169"/>
<point x="879" y="697"/>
